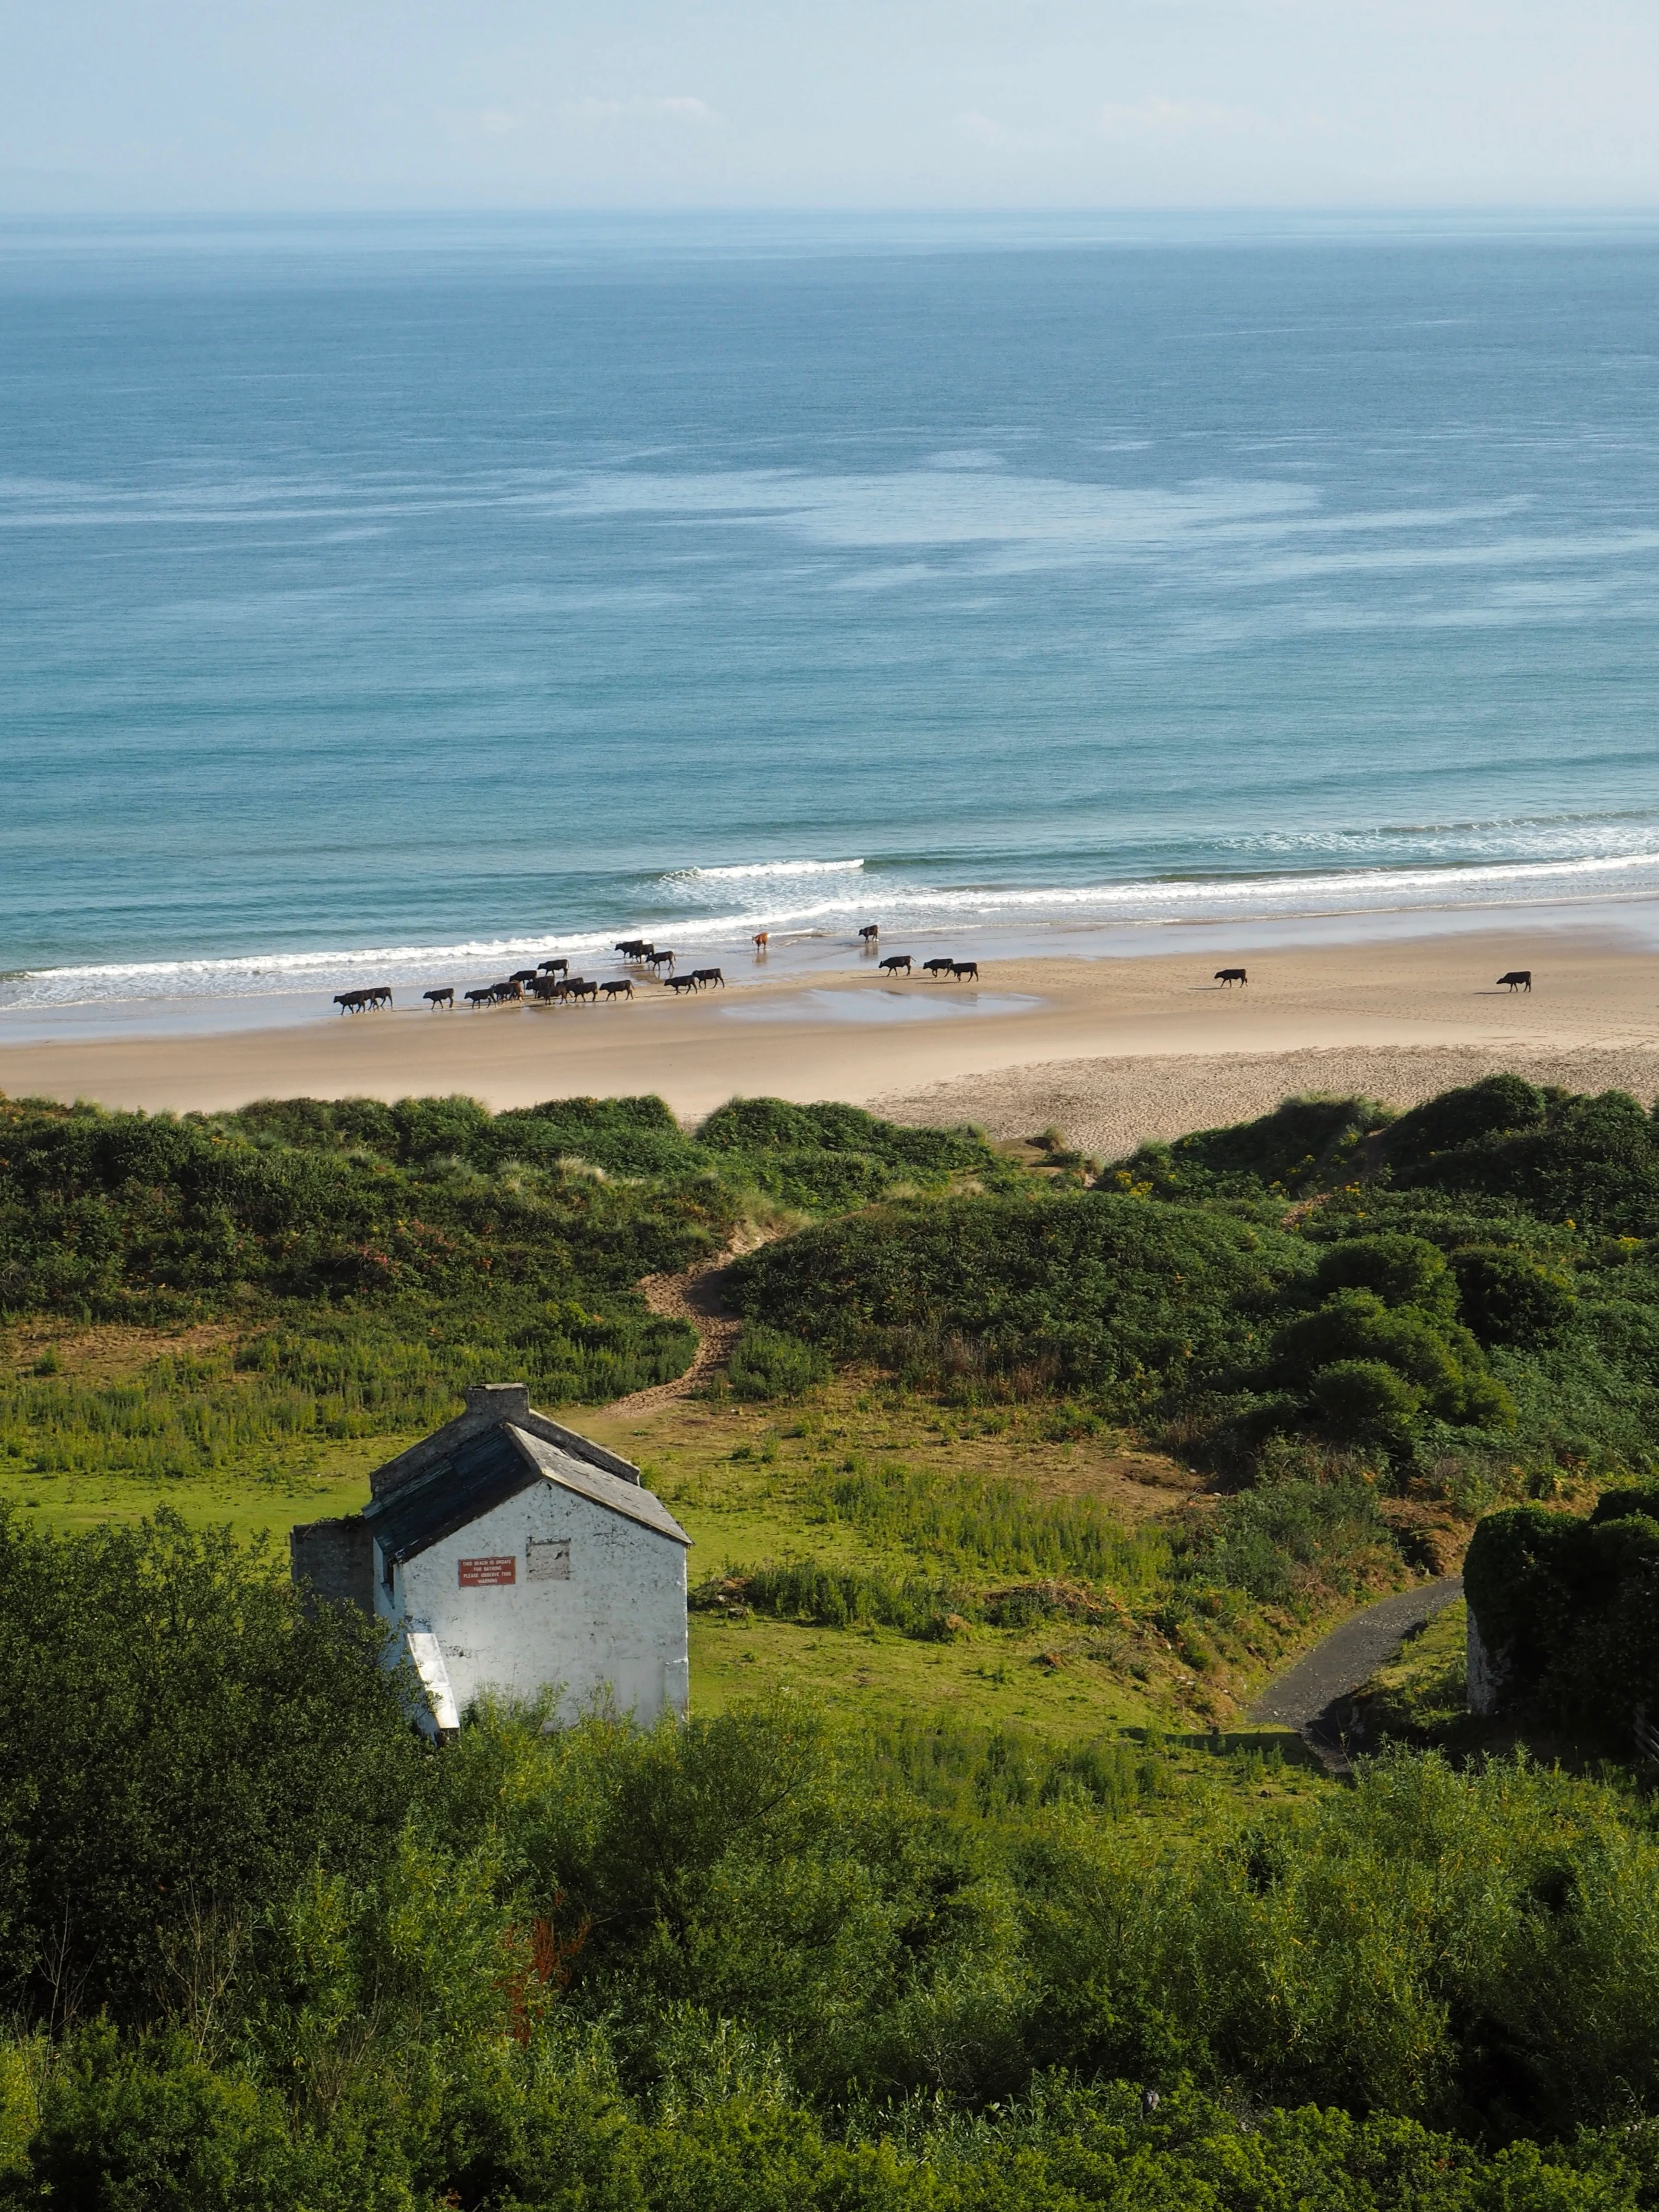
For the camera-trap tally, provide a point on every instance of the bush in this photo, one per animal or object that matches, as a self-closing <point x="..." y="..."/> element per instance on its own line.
<point x="1568" y="1610"/>
<point x="1439" y="1359"/>
<point x="1401" y="1271"/>
<point x="767" y="1364"/>
<point x="1062" y="1291"/>
<point x="1288" y="1542"/>
<point x="1496" y="1105"/>
<point x="1361" y="1399"/>
<point x="178" y="1745"/>
<point x="1305" y="1144"/>
<point x="1508" y="1299"/>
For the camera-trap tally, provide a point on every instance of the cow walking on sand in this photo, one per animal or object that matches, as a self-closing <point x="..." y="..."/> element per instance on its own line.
<point x="1231" y="975"/>
<point x="1518" y="978"/>
<point x="436" y="999"/>
<point x="897" y="963"/>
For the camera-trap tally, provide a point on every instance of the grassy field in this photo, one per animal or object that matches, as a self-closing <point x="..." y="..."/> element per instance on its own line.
<point x="960" y="1495"/>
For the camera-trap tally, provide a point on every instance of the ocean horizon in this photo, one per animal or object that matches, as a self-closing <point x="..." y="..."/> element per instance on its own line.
<point x="410" y="594"/>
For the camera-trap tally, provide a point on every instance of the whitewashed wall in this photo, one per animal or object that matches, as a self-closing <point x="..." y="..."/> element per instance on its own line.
<point x="612" y="1626"/>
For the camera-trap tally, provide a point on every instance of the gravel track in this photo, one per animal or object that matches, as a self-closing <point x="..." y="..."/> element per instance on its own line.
<point x="1307" y="1697"/>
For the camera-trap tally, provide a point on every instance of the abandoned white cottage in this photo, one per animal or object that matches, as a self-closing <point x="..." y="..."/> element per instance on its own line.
<point x="511" y="1555"/>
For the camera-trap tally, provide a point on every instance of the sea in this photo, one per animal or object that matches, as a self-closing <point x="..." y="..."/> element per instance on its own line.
<point x="396" y="599"/>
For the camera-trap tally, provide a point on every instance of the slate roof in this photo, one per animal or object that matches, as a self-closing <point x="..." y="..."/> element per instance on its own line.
<point x="479" y="1472"/>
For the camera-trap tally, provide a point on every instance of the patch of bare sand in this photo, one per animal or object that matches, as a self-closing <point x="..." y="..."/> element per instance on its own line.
<point x="1108" y="1106"/>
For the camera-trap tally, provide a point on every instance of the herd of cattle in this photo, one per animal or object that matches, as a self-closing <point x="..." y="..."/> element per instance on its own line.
<point x="552" y="982"/>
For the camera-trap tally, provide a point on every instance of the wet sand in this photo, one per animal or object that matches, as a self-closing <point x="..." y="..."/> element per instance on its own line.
<point x="1111" y="1049"/>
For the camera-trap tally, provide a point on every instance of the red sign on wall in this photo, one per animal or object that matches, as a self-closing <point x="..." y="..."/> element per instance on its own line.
<point x="481" y="1574"/>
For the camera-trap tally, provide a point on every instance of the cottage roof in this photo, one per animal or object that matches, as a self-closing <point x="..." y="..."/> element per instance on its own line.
<point x="475" y="1471"/>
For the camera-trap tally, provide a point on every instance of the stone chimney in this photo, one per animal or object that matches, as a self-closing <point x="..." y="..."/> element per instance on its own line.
<point x="499" y="1401"/>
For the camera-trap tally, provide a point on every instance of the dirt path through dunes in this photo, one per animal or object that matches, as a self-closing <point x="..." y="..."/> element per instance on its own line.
<point x="1309" y="1697"/>
<point x="698" y="1296"/>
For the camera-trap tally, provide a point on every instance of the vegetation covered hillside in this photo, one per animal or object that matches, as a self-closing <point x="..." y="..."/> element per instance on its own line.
<point x="1466" y="1297"/>
<point x="1007" y="1483"/>
<point x="260" y="1949"/>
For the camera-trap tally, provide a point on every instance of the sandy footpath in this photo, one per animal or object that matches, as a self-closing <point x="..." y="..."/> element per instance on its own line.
<point x="1111" y="1049"/>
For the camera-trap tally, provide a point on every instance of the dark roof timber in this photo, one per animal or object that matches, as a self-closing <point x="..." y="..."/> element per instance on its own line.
<point x="472" y="1465"/>
<point x="487" y="1405"/>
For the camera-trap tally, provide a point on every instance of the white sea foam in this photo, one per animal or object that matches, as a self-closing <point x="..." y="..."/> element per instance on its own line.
<point x="745" y="870"/>
<point x="828" y="911"/>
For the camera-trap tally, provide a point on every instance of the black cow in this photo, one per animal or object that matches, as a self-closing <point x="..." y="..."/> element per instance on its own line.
<point x="682" y="982"/>
<point x="555" y="968"/>
<point x="446" y="997"/>
<point x="377" y="994"/>
<point x="1518" y="978"/>
<point x="632" y="948"/>
<point x="1231" y="975"/>
<point x="663" y="959"/>
<point x="351" y="1002"/>
<point x="525" y="974"/>
<point x="871" y="932"/>
<point x="708" y="977"/>
<point x="961" y="967"/>
<point x="486" y="997"/>
<point x="896" y="963"/>
<point x="581" y="989"/>
<point x="937" y="968"/>
<point x="621" y="989"/>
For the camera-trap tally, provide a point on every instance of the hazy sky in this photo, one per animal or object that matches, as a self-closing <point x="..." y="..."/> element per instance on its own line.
<point x="303" y="104"/>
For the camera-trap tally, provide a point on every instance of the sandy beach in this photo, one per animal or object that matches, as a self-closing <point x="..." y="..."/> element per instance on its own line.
<point x="1111" y="1049"/>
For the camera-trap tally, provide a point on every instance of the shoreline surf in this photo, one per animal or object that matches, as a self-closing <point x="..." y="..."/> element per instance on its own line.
<point x="280" y="991"/>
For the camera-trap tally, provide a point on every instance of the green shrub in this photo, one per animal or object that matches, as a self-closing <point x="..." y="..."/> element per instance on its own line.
<point x="1305" y="1144"/>
<point x="767" y="1364"/>
<point x="1362" y="1399"/>
<point x="1290" y="1542"/>
<point x="1508" y="1299"/>
<point x="1062" y="1291"/>
<point x="1439" y="1359"/>
<point x="1497" y="1105"/>
<point x="178" y="1745"/>
<point x="1401" y="1271"/>
<point x="1568" y="1610"/>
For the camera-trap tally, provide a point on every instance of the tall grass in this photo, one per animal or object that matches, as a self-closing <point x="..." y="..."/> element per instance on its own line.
<point x="970" y="1521"/>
